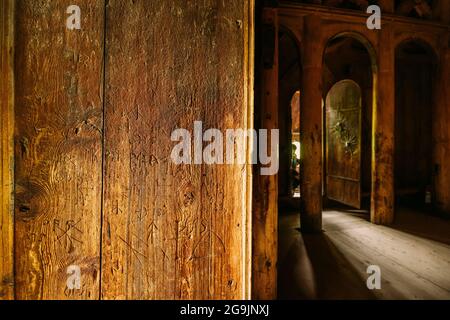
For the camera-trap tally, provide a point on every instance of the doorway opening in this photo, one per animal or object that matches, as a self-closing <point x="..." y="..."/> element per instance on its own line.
<point x="348" y="72"/>
<point x="289" y="104"/>
<point x="296" y="145"/>
<point x="415" y="64"/>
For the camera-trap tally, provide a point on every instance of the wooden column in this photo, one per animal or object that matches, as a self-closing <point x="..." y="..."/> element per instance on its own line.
<point x="265" y="210"/>
<point x="441" y="130"/>
<point x="311" y="127"/>
<point x="6" y="150"/>
<point x="382" y="206"/>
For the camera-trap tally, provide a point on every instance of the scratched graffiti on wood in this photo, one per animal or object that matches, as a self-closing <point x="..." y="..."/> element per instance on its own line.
<point x="95" y="109"/>
<point x="172" y="231"/>
<point x="58" y="149"/>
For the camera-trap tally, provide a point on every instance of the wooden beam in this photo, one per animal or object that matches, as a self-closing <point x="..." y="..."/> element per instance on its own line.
<point x="382" y="204"/>
<point x="265" y="204"/>
<point x="7" y="150"/>
<point x="311" y="127"/>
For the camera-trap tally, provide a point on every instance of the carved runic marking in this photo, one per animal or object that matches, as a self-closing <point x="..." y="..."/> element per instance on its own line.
<point x="152" y="228"/>
<point x="68" y="232"/>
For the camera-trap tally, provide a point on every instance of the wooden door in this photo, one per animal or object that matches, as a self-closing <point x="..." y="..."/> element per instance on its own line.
<point x="95" y="188"/>
<point x="343" y="143"/>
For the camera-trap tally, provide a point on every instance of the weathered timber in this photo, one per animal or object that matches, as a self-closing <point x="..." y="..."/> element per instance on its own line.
<point x="58" y="149"/>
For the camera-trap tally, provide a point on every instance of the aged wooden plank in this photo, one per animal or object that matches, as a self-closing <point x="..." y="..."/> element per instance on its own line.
<point x="6" y="151"/>
<point x="173" y="231"/>
<point x="343" y="147"/>
<point x="249" y="73"/>
<point x="265" y="203"/>
<point x="58" y="148"/>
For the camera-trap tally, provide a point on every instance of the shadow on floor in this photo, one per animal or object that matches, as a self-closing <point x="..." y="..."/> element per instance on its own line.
<point x="311" y="267"/>
<point x="422" y="224"/>
<point x="410" y="218"/>
<point x="413" y="254"/>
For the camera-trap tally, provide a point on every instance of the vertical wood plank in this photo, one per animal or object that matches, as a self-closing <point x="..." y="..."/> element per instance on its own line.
<point x="382" y="203"/>
<point x="249" y="72"/>
<point x="265" y="209"/>
<point x="6" y="151"/>
<point x="58" y="148"/>
<point x="172" y="231"/>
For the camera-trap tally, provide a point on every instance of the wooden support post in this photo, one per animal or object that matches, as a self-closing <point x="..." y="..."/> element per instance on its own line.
<point x="441" y="130"/>
<point x="265" y="210"/>
<point x="441" y="11"/>
<point x="382" y="207"/>
<point x="6" y="151"/>
<point x="311" y="128"/>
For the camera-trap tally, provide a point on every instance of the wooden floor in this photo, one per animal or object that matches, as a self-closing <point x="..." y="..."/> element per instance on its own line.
<point x="414" y="257"/>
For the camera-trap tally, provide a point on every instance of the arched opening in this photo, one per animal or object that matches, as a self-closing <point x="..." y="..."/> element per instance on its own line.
<point x="349" y="70"/>
<point x="414" y="169"/>
<point x="289" y="104"/>
<point x="289" y="97"/>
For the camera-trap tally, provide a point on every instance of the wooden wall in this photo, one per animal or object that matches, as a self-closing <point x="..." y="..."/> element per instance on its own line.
<point x="6" y="150"/>
<point x="95" y="185"/>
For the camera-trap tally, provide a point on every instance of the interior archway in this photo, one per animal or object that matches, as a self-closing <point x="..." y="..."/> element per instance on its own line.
<point x="350" y="57"/>
<point x="414" y="169"/>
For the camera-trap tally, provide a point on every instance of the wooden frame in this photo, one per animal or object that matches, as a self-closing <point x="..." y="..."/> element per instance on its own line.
<point x="249" y="63"/>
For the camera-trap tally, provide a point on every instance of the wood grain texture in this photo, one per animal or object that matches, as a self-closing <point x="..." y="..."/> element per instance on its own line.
<point x="173" y="232"/>
<point x="6" y="151"/>
<point x="249" y="74"/>
<point x="311" y="123"/>
<point x="265" y="203"/>
<point x="58" y="148"/>
<point x="343" y="147"/>
<point x="382" y="203"/>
